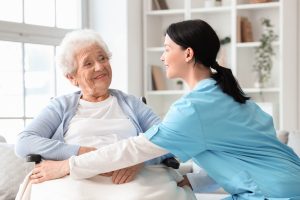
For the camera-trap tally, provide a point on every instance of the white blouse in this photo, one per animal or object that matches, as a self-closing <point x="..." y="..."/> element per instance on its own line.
<point x="97" y="124"/>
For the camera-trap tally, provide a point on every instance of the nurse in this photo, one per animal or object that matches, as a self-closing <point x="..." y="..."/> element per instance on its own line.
<point x="215" y="124"/>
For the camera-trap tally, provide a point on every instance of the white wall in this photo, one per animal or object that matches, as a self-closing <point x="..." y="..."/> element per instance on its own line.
<point x="298" y="82"/>
<point x="289" y="70"/>
<point x="120" y="24"/>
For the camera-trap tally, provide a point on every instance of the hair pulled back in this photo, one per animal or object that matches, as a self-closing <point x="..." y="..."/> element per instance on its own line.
<point x="200" y="36"/>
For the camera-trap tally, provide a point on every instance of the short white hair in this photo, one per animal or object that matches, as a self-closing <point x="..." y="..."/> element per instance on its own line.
<point x="72" y="43"/>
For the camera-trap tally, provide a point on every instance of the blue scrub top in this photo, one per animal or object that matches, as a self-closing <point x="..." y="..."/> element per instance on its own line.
<point x="235" y="143"/>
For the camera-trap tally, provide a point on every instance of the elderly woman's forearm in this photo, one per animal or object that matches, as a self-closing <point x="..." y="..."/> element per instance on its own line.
<point x="119" y="155"/>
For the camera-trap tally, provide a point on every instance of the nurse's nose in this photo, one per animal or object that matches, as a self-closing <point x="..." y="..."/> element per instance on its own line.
<point x="162" y="57"/>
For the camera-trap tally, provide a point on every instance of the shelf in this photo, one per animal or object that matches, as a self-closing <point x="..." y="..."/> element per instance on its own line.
<point x="258" y="6"/>
<point x="259" y="90"/>
<point x="165" y="12"/>
<point x="252" y="44"/>
<point x="212" y="10"/>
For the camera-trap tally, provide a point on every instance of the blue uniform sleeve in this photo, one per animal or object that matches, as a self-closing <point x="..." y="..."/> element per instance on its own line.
<point x="180" y="132"/>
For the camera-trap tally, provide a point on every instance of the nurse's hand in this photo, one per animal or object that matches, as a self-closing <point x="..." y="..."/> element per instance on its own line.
<point x="124" y="175"/>
<point x="48" y="170"/>
<point x="184" y="182"/>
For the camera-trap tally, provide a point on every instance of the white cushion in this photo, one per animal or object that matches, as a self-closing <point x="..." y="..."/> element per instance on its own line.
<point x="2" y="139"/>
<point x="294" y="141"/>
<point x="12" y="171"/>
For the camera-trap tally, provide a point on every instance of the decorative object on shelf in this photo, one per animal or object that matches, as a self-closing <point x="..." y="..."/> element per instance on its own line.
<point x="218" y="3"/>
<point x="222" y="53"/>
<point x="158" y="78"/>
<point x="259" y="1"/>
<point x="179" y="85"/>
<point x="159" y="5"/>
<point x="264" y="54"/>
<point x="225" y="40"/>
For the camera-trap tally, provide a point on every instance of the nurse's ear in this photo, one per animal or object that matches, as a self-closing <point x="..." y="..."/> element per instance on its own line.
<point x="189" y="54"/>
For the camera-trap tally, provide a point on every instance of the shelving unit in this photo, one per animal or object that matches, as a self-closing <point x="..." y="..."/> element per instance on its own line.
<point x="277" y="94"/>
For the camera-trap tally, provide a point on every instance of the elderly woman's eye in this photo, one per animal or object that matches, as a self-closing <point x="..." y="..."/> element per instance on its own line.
<point x="102" y="59"/>
<point x="87" y="64"/>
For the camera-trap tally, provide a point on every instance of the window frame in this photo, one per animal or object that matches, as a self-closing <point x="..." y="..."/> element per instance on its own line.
<point x="36" y="34"/>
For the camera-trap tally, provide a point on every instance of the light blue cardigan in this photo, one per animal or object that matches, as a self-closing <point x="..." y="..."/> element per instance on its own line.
<point x="45" y="134"/>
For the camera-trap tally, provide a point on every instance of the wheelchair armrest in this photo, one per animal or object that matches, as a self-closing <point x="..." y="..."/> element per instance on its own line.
<point x="171" y="162"/>
<point x="34" y="158"/>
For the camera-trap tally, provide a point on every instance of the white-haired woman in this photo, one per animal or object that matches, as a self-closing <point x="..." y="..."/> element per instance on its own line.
<point x="89" y="119"/>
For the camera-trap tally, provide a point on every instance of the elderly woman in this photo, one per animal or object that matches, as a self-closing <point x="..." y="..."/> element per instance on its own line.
<point x="89" y="119"/>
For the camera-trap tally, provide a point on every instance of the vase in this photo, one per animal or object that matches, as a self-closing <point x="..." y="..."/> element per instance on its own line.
<point x="258" y="83"/>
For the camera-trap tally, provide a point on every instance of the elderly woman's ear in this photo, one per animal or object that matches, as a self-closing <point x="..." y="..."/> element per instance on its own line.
<point x="72" y="79"/>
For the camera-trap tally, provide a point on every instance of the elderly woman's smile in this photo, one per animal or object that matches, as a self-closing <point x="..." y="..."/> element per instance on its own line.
<point x="100" y="76"/>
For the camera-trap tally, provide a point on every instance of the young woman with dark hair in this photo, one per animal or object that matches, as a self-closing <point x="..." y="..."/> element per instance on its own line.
<point x="215" y="125"/>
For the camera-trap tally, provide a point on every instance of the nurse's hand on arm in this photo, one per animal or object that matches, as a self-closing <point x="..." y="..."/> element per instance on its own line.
<point x="49" y="169"/>
<point x="120" y="155"/>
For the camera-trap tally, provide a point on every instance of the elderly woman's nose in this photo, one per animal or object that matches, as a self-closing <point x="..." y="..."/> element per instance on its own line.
<point x="98" y="66"/>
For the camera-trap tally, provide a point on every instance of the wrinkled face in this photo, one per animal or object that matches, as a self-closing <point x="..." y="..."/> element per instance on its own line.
<point x="174" y="59"/>
<point x="94" y="74"/>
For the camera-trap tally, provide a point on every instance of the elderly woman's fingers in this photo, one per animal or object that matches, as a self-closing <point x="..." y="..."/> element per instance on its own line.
<point x="36" y="176"/>
<point x="38" y="180"/>
<point x="125" y="177"/>
<point x="117" y="175"/>
<point x="128" y="178"/>
<point x="127" y="174"/>
<point x="36" y="169"/>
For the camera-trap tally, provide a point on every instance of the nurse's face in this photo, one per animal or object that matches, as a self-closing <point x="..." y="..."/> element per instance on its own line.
<point x="174" y="59"/>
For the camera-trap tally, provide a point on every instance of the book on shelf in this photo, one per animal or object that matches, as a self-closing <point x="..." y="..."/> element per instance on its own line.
<point x="247" y="35"/>
<point x="158" y="78"/>
<point x="159" y="5"/>
<point x="244" y="30"/>
<point x="238" y="29"/>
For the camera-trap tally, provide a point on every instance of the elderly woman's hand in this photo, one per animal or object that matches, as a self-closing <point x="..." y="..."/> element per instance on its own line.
<point x="48" y="170"/>
<point x="184" y="182"/>
<point x="83" y="150"/>
<point x="124" y="175"/>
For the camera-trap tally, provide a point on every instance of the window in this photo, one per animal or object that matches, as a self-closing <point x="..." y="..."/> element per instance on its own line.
<point x="30" y="32"/>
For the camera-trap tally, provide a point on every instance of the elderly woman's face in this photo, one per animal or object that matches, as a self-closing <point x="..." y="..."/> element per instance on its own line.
<point x="93" y="74"/>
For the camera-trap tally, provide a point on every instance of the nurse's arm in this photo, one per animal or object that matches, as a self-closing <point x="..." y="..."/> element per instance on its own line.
<point x="115" y="156"/>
